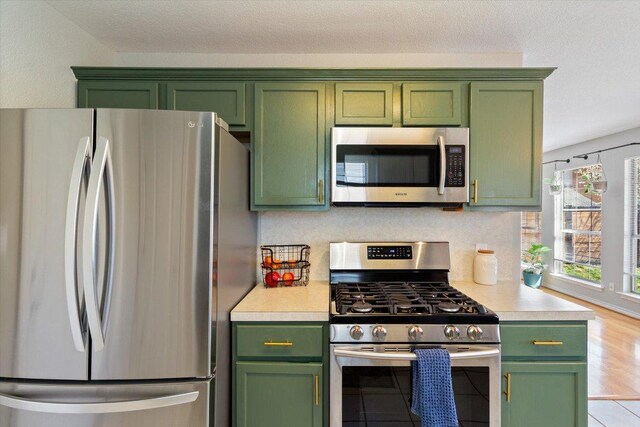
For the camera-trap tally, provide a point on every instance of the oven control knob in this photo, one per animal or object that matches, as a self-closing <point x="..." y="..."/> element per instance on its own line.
<point x="356" y="332"/>
<point x="415" y="332"/>
<point x="379" y="332"/>
<point x="474" y="333"/>
<point x="451" y="332"/>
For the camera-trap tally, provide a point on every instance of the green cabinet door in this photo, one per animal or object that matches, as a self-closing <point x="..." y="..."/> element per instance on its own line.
<point x="431" y="104"/>
<point x="117" y="94"/>
<point x="289" y="146"/>
<point x="544" y="394"/>
<point x="225" y="98"/>
<point x="364" y="104"/>
<point x="276" y="394"/>
<point x="506" y="144"/>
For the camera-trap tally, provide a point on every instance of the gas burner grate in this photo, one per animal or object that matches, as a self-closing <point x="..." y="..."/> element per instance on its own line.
<point x="402" y="298"/>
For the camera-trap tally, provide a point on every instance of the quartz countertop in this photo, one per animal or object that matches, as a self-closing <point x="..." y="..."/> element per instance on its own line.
<point x="285" y="304"/>
<point x="517" y="302"/>
<point x="510" y="301"/>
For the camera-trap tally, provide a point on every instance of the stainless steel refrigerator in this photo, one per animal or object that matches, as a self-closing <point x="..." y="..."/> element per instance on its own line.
<point x="125" y="240"/>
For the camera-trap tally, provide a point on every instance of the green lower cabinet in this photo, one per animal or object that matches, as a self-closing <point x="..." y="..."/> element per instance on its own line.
<point x="117" y="94"/>
<point x="506" y="144"/>
<point x="549" y="394"/>
<point x="289" y="147"/>
<point x="278" y="394"/>
<point x="225" y="98"/>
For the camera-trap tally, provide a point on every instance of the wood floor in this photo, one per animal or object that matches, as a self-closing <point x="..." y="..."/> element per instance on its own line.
<point x="614" y="354"/>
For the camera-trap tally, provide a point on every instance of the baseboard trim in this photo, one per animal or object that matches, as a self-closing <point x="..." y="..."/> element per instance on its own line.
<point x="614" y="397"/>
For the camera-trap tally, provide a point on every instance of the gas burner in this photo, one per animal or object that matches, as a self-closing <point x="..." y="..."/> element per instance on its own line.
<point x="361" y="307"/>
<point x="448" y="307"/>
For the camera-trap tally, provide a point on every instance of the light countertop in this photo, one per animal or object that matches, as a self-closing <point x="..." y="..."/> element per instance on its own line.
<point x="510" y="301"/>
<point x="285" y="304"/>
<point x="513" y="302"/>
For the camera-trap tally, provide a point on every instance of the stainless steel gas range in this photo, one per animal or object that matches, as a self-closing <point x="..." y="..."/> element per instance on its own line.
<point x="387" y="299"/>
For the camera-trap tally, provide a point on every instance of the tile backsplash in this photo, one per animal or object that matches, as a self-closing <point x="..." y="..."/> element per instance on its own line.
<point x="500" y="230"/>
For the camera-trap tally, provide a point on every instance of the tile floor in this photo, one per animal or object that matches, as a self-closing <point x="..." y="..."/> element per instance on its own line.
<point x="614" y="413"/>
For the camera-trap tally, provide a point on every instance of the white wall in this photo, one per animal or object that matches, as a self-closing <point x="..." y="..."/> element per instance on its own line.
<point x="613" y="221"/>
<point x="37" y="47"/>
<point x="501" y="231"/>
<point x="328" y="60"/>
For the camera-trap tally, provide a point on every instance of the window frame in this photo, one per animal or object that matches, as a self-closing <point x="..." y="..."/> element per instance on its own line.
<point x="560" y="232"/>
<point x="631" y="226"/>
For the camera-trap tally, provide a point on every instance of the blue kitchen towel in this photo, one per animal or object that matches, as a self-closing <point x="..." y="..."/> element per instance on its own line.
<point x="432" y="393"/>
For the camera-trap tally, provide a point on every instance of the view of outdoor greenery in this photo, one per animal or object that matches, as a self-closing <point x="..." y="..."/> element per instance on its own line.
<point x="580" y="226"/>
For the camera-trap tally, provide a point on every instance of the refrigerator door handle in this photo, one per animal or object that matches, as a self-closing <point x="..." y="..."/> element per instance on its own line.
<point x="80" y="165"/>
<point x="101" y="167"/>
<point x="97" y="407"/>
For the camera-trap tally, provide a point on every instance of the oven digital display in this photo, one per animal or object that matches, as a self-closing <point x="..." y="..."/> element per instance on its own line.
<point x="389" y="252"/>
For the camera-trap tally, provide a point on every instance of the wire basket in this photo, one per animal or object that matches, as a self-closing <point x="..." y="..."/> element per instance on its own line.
<point x="285" y="265"/>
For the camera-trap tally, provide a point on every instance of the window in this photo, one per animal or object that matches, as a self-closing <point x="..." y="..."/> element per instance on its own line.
<point x="632" y="219"/>
<point x="578" y="225"/>
<point x="531" y="229"/>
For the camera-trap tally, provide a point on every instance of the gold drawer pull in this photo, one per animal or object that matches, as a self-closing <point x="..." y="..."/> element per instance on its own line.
<point x="535" y="342"/>
<point x="317" y="381"/>
<point x="278" y="344"/>
<point x="508" y="391"/>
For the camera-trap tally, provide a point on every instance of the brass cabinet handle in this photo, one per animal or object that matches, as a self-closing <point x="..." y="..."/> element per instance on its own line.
<point x="317" y="381"/>
<point x="508" y="391"/>
<point x="321" y="191"/>
<point x="475" y="190"/>
<point x="278" y="344"/>
<point x="536" y="342"/>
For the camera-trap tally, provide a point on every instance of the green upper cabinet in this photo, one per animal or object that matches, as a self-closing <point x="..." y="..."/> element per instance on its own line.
<point x="289" y="151"/>
<point x="225" y="98"/>
<point x="506" y="144"/>
<point x="432" y="104"/>
<point x="364" y="104"/>
<point x="117" y="94"/>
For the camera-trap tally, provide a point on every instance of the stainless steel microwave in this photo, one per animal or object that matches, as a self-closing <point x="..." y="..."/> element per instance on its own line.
<point x="399" y="166"/>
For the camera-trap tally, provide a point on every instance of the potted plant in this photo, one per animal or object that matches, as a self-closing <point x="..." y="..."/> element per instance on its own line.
<point x="532" y="274"/>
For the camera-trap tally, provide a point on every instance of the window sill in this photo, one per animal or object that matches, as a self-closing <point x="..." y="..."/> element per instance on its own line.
<point x="630" y="296"/>
<point x="568" y="280"/>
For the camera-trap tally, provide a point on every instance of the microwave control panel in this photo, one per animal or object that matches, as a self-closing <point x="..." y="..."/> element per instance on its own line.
<point x="455" y="166"/>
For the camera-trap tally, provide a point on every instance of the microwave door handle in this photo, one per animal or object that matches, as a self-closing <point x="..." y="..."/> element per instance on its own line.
<point x="409" y="356"/>
<point x="443" y="164"/>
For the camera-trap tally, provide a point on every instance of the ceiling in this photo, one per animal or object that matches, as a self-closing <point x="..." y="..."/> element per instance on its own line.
<point x="595" y="44"/>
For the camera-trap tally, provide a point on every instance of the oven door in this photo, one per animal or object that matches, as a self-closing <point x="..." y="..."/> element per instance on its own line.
<point x="371" y="384"/>
<point x="399" y="165"/>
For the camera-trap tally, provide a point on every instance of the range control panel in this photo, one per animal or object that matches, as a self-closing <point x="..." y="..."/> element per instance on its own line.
<point x="455" y="166"/>
<point x="389" y="252"/>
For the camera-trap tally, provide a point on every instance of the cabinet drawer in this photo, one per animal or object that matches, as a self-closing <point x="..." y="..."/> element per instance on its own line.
<point x="279" y="342"/>
<point x="544" y="341"/>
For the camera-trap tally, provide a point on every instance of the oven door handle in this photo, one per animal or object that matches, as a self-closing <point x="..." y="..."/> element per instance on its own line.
<point x="409" y="356"/>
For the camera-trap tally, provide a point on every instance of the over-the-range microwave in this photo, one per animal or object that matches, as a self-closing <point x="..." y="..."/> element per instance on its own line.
<point x="399" y="166"/>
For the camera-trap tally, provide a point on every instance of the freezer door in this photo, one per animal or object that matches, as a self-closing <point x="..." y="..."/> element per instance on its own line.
<point x="44" y="161"/>
<point x="184" y="404"/>
<point x="150" y="317"/>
